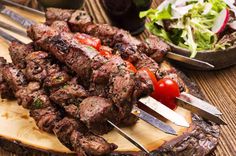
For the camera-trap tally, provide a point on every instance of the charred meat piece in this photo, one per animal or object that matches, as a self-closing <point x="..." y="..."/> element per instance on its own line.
<point x="155" y="48"/>
<point x="35" y="68"/>
<point x="110" y="68"/>
<point x="54" y="14"/>
<point x="56" y="79"/>
<point x="74" y="135"/>
<point x="72" y="111"/>
<point x="69" y="93"/>
<point x="95" y="111"/>
<point x="60" y="26"/>
<point x="122" y="88"/>
<point x="46" y="118"/>
<point x="39" y="31"/>
<point x="143" y="85"/>
<point x="79" y="18"/>
<point x="64" y="128"/>
<point x="91" y="144"/>
<point x="14" y="76"/>
<point x="5" y="91"/>
<point x="18" y="52"/>
<point x="32" y="97"/>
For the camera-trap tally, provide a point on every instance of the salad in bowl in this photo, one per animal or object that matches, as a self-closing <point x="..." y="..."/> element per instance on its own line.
<point x="195" y="25"/>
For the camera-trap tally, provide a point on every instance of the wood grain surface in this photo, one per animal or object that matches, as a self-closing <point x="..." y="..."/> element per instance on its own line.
<point x="219" y="88"/>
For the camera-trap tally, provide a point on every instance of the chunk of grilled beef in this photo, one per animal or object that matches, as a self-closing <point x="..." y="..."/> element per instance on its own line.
<point x="110" y="68"/>
<point x="74" y="135"/>
<point x="14" y="76"/>
<point x="64" y="128"/>
<point x="122" y="88"/>
<point x="35" y="33"/>
<point x="54" y="14"/>
<point x="46" y="118"/>
<point x="91" y="144"/>
<point x="60" y="26"/>
<point x="155" y="48"/>
<point x="32" y="96"/>
<point x="72" y="110"/>
<point x="143" y="85"/>
<point x="35" y="68"/>
<point x="95" y="111"/>
<point x="18" y="52"/>
<point x="69" y="93"/>
<point x="5" y="91"/>
<point x="79" y="19"/>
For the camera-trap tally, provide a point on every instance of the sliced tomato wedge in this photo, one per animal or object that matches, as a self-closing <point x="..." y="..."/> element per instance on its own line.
<point x="105" y="53"/>
<point x="88" y="40"/>
<point x="131" y="67"/>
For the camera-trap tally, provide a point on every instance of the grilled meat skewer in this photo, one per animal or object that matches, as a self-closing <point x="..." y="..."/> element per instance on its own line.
<point x="89" y="108"/>
<point x="31" y="96"/>
<point x="153" y="47"/>
<point x="80" y="21"/>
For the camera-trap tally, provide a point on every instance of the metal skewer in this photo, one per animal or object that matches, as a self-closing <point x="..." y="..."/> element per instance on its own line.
<point x="125" y="135"/>
<point x="191" y="61"/>
<point x="16" y="17"/>
<point x="22" y="7"/>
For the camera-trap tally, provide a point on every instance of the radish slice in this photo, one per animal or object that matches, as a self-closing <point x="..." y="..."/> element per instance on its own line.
<point x="233" y="25"/>
<point x="221" y="21"/>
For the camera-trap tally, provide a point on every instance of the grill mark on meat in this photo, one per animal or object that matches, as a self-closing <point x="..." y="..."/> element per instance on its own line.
<point x="60" y="43"/>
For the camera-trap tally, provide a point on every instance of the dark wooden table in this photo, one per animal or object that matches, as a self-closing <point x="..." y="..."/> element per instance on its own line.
<point x="219" y="87"/>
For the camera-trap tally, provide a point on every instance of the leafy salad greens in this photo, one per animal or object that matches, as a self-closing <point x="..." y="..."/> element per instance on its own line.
<point x="187" y="23"/>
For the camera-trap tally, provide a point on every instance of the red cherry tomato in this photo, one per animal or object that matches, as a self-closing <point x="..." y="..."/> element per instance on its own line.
<point x="88" y="40"/>
<point x="166" y="92"/>
<point x="131" y="67"/>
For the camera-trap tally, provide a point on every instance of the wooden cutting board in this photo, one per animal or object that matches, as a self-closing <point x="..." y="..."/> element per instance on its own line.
<point x="18" y="132"/>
